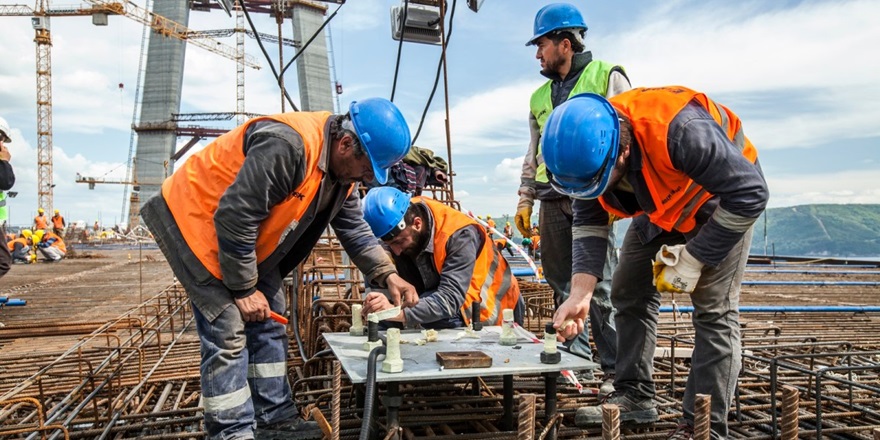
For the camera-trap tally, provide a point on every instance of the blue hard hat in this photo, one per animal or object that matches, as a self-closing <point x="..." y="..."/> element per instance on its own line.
<point x="382" y="131"/>
<point x="554" y="17"/>
<point x="384" y="208"/>
<point x="580" y="145"/>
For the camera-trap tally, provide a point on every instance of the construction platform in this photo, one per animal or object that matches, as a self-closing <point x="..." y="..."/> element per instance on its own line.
<point x="106" y="348"/>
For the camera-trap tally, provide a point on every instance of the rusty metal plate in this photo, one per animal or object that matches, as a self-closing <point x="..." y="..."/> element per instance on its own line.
<point x="463" y="359"/>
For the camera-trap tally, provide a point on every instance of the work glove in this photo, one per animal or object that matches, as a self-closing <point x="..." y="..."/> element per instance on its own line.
<point x="523" y="218"/>
<point x="676" y="270"/>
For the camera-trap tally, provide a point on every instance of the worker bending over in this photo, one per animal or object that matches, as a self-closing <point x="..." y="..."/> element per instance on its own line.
<point x="20" y="247"/>
<point x="239" y="216"/>
<point x="50" y="245"/>
<point x="681" y="165"/>
<point x="447" y="256"/>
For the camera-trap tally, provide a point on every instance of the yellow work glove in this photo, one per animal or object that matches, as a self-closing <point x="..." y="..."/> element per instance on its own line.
<point x="523" y="220"/>
<point x="676" y="270"/>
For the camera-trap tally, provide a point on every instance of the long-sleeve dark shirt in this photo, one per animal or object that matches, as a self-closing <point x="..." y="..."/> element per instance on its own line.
<point x="441" y="296"/>
<point x="700" y="149"/>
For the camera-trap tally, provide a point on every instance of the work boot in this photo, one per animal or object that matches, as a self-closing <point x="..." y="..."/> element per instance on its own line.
<point x="682" y="432"/>
<point x="635" y="411"/>
<point x="293" y="429"/>
<point x="607" y="387"/>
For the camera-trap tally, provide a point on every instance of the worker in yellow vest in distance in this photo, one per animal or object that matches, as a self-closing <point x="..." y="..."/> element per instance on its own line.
<point x="239" y="216"/>
<point x="447" y="256"/>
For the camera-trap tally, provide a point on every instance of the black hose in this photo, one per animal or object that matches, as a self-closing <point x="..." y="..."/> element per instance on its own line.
<point x="268" y="58"/>
<point x="399" y="48"/>
<point x="305" y="46"/>
<point x="437" y="77"/>
<point x="366" y="423"/>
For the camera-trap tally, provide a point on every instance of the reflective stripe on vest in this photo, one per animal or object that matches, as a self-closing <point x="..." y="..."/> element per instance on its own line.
<point x="593" y="79"/>
<point x="4" y="210"/>
<point x="676" y="196"/>
<point x="193" y="198"/>
<point x="492" y="282"/>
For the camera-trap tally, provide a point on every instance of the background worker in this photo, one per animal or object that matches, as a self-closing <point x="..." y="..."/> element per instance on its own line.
<point x="41" y="222"/>
<point x="58" y="223"/>
<point x="446" y="255"/>
<point x="7" y="179"/>
<point x="681" y="164"/>
<point x="503" y="243"/>
<point x="50" y="245"/>
<point x="508" y="230"/>
<point x="559" y="37"/>
<point x="20" y="248"/>
<point x="273" y="186"/>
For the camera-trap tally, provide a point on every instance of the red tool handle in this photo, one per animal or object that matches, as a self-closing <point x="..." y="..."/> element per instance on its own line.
<point x="278" y="318"/>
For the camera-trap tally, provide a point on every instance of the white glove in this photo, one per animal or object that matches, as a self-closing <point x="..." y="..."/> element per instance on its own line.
<point x="676" y="270"/>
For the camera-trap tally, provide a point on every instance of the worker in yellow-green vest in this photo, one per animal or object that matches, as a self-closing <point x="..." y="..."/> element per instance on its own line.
<point x="559" y="37"/>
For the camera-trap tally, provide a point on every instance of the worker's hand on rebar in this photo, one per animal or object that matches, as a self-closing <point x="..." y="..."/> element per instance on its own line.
<point x="4" y="152"/>
<point x="570" y="317"/>
<point x="400" y="289"/>
<point x="254" y="308"/>
<point x="676" y="270"/>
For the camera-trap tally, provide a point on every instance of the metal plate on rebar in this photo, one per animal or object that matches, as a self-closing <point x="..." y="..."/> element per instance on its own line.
<point x="420" y="361"/>
<point x="463" y="359"/>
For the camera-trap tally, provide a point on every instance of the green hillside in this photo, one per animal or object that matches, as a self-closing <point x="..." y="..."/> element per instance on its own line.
<point x="820" y="230"/>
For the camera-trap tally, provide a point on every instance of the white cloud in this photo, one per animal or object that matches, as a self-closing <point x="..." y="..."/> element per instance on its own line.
<point x="509" y="170"/>
<point x="838" y="187"/>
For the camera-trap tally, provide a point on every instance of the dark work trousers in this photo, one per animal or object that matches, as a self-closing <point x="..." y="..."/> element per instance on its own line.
<point x="555" y="223"/>
<point x="717" y="357"/>
<point x="244" y="372"/>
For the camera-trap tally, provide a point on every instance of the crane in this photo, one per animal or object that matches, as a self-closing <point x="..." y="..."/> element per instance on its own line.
<point x="99" y="10"/>
<point x="134" y="200"/>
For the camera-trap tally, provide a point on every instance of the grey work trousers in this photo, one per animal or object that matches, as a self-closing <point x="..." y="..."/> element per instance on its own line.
<point x="717" y="355"/>
<point x="555" y="222"/>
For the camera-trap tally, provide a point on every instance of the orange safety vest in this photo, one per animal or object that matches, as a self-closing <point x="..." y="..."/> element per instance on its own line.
<point x="40" y="222"/>
<point x="193" y="192"/>
<point x="676" y="196"/>
<point x="11" y="244"/>
<point x="492" y="283"/>
<point x="58" y="221"/>
<point x="59" y="243"/>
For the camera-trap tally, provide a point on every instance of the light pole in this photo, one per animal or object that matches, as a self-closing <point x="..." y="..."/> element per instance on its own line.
<point x="11" y="195"/>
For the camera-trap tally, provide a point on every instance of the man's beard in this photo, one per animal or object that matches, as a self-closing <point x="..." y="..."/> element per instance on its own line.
<point x="550" y="67"/>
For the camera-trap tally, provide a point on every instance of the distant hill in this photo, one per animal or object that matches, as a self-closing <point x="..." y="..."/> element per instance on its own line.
<point x="809" y="230"/>
<point x="820" y="230"/>
<point x="814" y="230"/>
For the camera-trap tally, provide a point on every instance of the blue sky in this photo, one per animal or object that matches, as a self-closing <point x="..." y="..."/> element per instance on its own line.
<point x="802" y="75"/>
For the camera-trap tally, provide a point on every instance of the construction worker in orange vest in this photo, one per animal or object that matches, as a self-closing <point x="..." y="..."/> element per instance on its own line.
<point x="240" y="215"/>
<point x="20" y="247"/>
<point x="58" y="223"/>
<point x="50" y="245"/>
<point x="41" y="223"/>
<point x="681" y="165"/>
<point x="448" y="257"/>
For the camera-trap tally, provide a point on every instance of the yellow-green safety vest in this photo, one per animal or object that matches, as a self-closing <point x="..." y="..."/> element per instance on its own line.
<point x="593" y="79"/>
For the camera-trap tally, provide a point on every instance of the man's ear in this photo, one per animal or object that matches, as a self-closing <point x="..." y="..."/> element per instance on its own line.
<point x="417" y="224"/>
